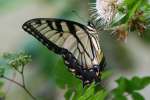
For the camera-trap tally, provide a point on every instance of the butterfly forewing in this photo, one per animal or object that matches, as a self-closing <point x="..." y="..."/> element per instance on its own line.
<point x="66" y="34"/>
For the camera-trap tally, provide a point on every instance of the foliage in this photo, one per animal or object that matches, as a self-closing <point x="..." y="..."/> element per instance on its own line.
<point x="125" y="86"/>
<point x="17" y="62"/>
<point x="130" y="87"/>
<point x="132" y="16"/>
<point x="2" y="93"/>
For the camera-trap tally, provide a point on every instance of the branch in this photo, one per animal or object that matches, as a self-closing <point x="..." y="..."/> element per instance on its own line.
<point x="22" y="86"/>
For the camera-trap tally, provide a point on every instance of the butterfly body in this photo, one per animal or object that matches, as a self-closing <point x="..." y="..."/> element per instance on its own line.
<point x="76" y="43"/>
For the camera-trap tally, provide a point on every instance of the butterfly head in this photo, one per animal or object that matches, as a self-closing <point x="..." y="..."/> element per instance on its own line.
<point x="91" y="75"/>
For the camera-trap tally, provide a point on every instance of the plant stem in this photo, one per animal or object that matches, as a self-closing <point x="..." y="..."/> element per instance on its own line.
<point x="22" y="75"/>
<point x="22" y="86"/>
<point x="29" y="93"/>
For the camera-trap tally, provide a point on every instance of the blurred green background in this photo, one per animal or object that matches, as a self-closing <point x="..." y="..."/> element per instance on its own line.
<point x="46" y="76"/>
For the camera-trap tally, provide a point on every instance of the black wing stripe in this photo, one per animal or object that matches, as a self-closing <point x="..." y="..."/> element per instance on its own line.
<point x="92" y="49"/>
<point x="71" y="28"/>
<point x="43" y="39"/>
<point x="59" y="27"/>
<point x="50" y="24"/>
<point x="73" y="31"/>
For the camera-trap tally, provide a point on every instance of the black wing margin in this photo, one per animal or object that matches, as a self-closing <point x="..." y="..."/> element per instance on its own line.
<point x="39" y="27"/>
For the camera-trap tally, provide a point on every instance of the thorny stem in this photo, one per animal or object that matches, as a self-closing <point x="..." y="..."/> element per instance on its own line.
<point x="21" y="85"/>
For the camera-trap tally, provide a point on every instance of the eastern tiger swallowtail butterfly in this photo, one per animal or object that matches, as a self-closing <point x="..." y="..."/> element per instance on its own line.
<point x="76" y="43"/>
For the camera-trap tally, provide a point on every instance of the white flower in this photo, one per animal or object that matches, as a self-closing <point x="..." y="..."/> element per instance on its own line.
<point x="103" y="11"/>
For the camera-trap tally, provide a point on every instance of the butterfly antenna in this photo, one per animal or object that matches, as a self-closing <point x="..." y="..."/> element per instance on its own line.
<point x="77" y="14"/>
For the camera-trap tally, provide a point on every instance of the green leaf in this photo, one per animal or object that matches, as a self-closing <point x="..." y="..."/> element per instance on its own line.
<point x="137" y="83"/>
<point x="78" y="92"/>
<point x="122" y="85"/>
<point x="130" y="87"/>
<point x="83" y="98"/>
<point x="91" y="94"/>
<point x="63" y="77"/>
<point x="8" y="55"/>
<point x="137" y="96"/>
<point x="106" y="74"/>
<point x="119" y="97"/>
<point x="2" y="95"/>
<point x="1" y="84"/>
<point x="2" y="71"/>
<point x="68" y="94"/>
<point x="101" y="95"/>
<point x="145" y="82"/>
<point x="88" y="92"/>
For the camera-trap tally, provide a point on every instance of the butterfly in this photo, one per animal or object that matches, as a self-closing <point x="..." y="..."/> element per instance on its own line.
<point x="78" y="45"/>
